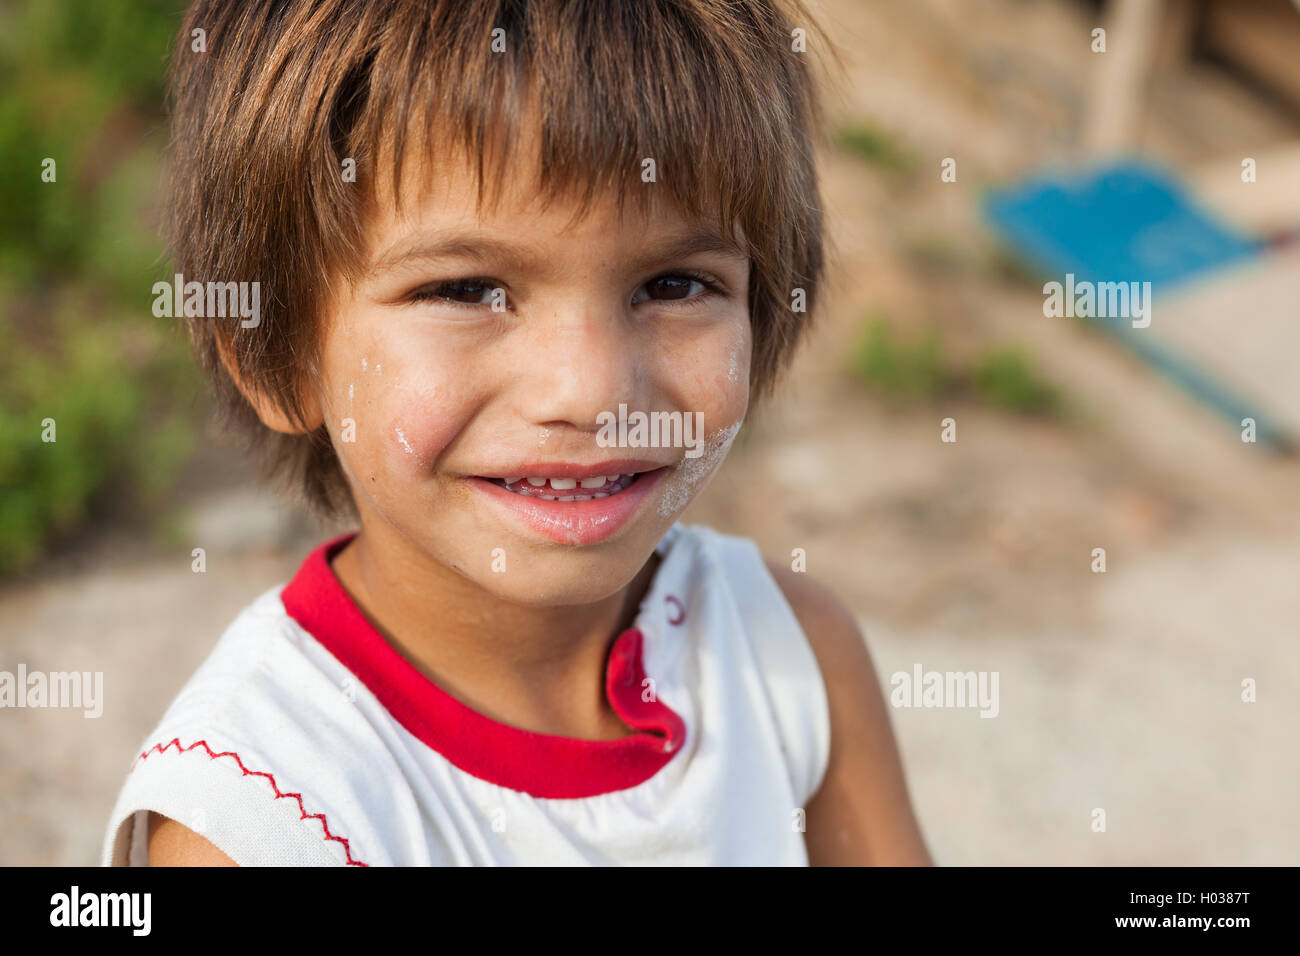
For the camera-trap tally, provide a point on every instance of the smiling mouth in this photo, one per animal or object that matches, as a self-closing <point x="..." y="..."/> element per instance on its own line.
<point x="569" y="503"/>
<point x="567" y="489"/>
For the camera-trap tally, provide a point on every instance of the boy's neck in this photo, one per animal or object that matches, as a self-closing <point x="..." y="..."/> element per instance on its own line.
<point x="537" y="668"/>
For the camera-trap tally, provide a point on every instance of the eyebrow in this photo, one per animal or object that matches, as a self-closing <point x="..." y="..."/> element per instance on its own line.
<point x="427" y="247"/>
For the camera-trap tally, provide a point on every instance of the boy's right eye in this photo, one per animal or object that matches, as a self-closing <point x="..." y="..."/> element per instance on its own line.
<point x="459" y="291"/>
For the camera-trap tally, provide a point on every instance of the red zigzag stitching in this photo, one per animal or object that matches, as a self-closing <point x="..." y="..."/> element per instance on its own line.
<point x="258" y="773"/>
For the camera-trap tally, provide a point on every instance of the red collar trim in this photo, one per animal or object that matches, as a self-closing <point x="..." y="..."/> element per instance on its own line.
<point x="542" y="765"/>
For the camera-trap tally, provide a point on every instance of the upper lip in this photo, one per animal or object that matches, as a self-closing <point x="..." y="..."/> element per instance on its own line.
<point x="557" y="469"/>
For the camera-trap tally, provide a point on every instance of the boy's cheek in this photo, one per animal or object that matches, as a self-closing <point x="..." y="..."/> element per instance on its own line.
<point x="418" y="423"/>
<point x="383" y="426"/>
<point x="713" y="378"/>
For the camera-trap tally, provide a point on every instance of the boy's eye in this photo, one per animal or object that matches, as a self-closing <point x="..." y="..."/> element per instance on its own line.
<point x="462" y="291"/>
<point x="675" y="286"/>
<point x="670" y="287"/>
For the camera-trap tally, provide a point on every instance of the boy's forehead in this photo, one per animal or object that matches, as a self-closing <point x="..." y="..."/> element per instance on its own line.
<point x="440" y="209"/>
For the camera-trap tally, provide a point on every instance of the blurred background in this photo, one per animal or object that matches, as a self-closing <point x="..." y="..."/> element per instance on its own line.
<point x="980" y="149"/>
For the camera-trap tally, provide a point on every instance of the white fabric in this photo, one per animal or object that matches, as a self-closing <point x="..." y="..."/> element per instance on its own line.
<point x="738" y="671"/>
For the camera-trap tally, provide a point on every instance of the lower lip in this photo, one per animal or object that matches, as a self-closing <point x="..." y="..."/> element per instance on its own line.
<point x="574" y="522"/>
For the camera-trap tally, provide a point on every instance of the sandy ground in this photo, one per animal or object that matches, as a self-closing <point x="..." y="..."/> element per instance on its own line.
<point x="1119" y="691"/>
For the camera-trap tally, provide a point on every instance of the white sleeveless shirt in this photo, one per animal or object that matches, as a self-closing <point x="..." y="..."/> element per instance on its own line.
<point x="306" y="739"/>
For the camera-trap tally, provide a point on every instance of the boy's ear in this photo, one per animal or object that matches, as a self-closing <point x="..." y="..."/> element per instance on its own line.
<point x="268" y="410"/>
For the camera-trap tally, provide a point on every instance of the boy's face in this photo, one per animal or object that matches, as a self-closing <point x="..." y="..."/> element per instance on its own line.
<point x="450" y="397"/>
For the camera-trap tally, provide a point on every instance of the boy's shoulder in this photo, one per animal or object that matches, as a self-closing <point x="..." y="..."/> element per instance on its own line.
<point x="861" y="793"/>
<point x="270" y="684"/>
<point x="827" y="623"/>
<point x="847" y="697"/>
<point x="238" y="754"/>
<point x="786" y="621"/>
<point x="821" y="615"/>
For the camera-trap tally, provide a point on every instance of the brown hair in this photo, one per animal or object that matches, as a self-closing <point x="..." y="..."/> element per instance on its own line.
<point x="715" y="91"/>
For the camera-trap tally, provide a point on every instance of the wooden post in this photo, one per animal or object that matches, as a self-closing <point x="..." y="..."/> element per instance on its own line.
<point x="1118" y="88"/>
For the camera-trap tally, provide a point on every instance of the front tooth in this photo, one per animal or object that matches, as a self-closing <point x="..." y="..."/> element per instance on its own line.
<point x="564" y="484"/>
<point x="510" y="481"/>
<point x="593" y="482"/>
<point x="611" y="478"/>
<point x="537" y="482"/>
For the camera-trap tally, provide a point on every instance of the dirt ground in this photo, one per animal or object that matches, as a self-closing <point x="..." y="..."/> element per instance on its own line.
<point x="1119" y="691"/>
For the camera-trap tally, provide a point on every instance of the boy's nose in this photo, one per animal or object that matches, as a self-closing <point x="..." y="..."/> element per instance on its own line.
<point x="582" y="364"/>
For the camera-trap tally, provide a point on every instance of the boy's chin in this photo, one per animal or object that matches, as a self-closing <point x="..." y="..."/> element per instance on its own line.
<point x="560" y="583"/>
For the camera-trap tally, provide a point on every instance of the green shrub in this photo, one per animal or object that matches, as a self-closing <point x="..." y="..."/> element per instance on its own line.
<point x="116" y="420"/>
<point x="905" y="371"/>
<point x="78" y="257"/>
<point x="917" y="370"/>
<point x="1004" y="378"/>
<point x="879" y="148"/>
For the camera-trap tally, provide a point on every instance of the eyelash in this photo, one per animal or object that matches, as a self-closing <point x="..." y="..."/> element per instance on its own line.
<point x="430" y="293"/>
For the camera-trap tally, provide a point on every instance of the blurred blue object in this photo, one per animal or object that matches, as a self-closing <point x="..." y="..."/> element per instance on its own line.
<point x="1131" y="222"/>
<point x="1127" y="222"/>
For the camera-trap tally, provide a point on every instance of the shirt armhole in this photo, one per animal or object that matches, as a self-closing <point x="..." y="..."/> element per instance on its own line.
<point x="239" y="808"/>
<point x="790" y="672"/>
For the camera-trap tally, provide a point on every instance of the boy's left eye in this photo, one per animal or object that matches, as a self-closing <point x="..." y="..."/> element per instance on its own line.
<point x="673" y="287"/>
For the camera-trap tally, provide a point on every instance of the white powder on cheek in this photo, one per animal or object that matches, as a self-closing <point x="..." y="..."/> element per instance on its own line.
<point x="417" y="421"/>
<point x="737" y="349"/>
<point x="691" y="473"/>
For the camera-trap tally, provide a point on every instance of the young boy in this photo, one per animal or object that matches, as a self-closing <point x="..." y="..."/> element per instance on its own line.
<point x="488" y="236"/>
